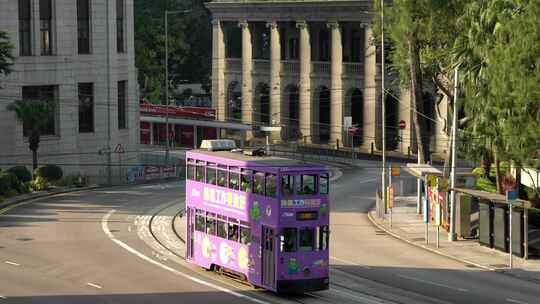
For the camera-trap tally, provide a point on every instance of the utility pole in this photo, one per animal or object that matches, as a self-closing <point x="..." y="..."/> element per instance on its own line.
<point x="109" y="160"/>
<point x="383" y="107"/>
<point x="452" y="236"/>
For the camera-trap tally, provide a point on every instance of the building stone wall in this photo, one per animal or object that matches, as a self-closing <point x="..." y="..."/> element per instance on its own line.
<point x="312" y="23"/>
<point x="76" y="152"/>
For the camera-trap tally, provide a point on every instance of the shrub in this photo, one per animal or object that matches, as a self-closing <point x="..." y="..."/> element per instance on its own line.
<point x="22" y="173"/>
<point x="9" y="183"/>
<point x="48" y="173"/>
<point x="38" y="184"/>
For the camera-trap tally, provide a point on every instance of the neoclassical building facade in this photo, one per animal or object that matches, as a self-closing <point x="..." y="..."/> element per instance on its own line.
<point x="308" y="66"/>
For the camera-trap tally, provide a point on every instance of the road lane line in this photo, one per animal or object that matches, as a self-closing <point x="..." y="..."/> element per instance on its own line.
<point x="12" y="263"/>
<point x="3" y="297"/>
<point x="349" y="262"/>
<point x="94" y="285"/>
<point x="515" y="301"/>
<point x="105" y="227"/>
<point x="432" y="283"/>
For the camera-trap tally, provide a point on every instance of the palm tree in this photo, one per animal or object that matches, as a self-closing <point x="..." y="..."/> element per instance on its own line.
<point x="35" y="115"/>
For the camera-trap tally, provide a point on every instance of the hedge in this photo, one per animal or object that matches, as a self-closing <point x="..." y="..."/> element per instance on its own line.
<point x="22" y="173"/>
<point x="49" y="173"/>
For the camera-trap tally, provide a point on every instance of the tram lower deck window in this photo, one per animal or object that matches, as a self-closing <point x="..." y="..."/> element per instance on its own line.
<point x="199" y="223"/>
<point x="288" y="240"/>
<point x="222" y="229"/>
<point x="322" y="237"/>
<point x="306" y="239"/>
<point x="245" y="235"/>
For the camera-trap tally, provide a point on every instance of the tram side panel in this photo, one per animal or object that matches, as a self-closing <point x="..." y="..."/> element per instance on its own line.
<point x="209" y="248"/>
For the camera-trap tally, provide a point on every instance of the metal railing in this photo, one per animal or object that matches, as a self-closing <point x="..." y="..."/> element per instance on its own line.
<point x="290" y="66"/>
<point x="321" y="67"/>
<point x="351" y="69"/>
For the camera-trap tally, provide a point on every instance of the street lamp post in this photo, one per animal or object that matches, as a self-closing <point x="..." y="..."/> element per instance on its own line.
<point x="167" y="13"/>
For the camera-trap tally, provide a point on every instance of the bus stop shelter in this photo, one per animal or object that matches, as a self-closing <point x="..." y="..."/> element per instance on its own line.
<point x="494" y="220"/>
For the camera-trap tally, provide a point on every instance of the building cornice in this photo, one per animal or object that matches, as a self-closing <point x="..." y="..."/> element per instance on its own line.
<point x="227" y="10"/>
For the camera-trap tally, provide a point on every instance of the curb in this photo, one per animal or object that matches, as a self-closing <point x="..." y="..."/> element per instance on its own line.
<point x="10" y="203"/>
<point x="397" y="236"/>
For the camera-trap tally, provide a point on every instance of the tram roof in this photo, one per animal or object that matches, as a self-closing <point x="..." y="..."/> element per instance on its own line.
<point x="262" y="161"/>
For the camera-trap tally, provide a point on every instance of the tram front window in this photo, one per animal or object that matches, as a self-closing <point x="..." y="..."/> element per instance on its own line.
<point x="307" y="237"/>
<point x="288" y="240"/>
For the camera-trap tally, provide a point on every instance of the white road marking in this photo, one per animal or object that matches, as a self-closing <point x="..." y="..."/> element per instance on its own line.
<point x="349" y="262"/>
<point x="94" y="285"/>
<point x="12" y="263"/>
<point x="3" y="297"/>
<point x="515" y="301"/>
<point x="367" y="181"/>
<point x="104" y="226"/>
<point x="129" y="228"/>
<point x="366" y="299"/>
<point x="432" y="283"/>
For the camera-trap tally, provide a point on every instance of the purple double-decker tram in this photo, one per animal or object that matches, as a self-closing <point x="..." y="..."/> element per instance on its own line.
<point x="264" y="219"/>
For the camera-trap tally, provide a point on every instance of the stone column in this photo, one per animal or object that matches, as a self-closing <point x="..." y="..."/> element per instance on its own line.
<point x="247" y="82"/>
<point x="218" y="71"/>
<point x="275" y="80"/>
<point x="370" y="89"/>
<point x="336" y="90"/>
<point x="304" y="85"/>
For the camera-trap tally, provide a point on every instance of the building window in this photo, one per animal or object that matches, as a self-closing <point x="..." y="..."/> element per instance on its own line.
<point x="25" y="24"/>
<point x="41" y="94"/>
<point x="293" y="48"/>
<point x="45" y="18"/>
<point x="324" y="45"/>
<point x="86" y="107"/>
<point x="122" y="87"/>
<point x="120" y="26"/>
<point x="83" y="26"/>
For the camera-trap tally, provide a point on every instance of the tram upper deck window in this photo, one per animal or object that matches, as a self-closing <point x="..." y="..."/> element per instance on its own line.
<point x="234" y="178"/>
<point x="288" y="240"/>
<point x="287" y="184"/>
<point x="222" y="176"/>
<point x="323" y="183"/>
<point x="308" y="184"/>
<point x="258" y="183"/>
<point x="246" y="178"/>
<point x="211" y="177"/>
<point x="270" y="185"/>
<point x="199" y="171"/>
<point x="306" y="239"/>
<point x="190" y="169"/>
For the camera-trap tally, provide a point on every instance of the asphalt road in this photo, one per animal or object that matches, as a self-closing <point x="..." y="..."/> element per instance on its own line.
<point x="98" y="247"/>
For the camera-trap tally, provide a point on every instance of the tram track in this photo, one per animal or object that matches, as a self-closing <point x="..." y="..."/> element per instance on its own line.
<point x="337" y="293"/>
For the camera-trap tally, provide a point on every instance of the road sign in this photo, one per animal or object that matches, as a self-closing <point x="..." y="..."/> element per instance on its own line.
<point x="390" y="196"/>
<point x="352" y="131"/>
<point x="402" y="124"/>
<point x="119" y="149"/>
<point x="511" y="195"/>
<point x="347" y="121"/>
<point x="395" y="170"/>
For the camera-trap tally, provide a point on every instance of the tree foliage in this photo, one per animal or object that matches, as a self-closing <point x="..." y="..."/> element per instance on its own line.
<point x="34" y="114"/>
<point x="6" y="56"/>
<point x="190" y="44"/>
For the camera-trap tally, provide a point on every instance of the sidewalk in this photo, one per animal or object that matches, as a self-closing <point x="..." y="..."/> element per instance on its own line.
<point x="408" y="226"/>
